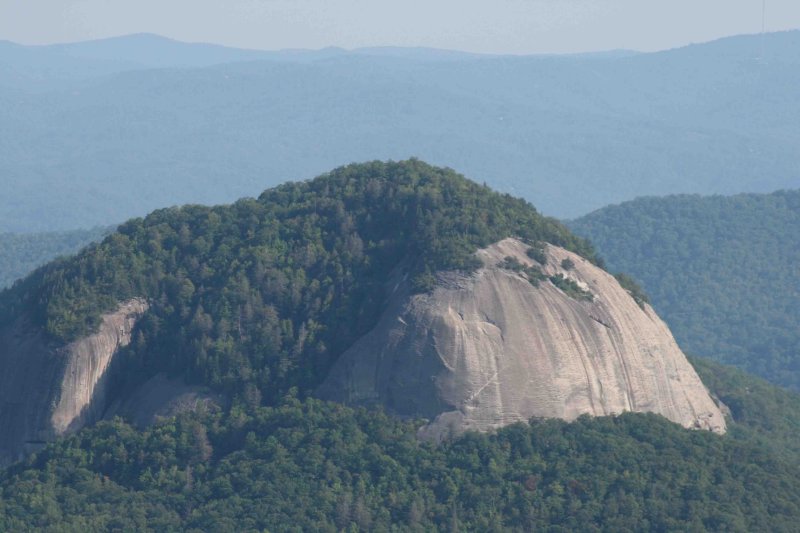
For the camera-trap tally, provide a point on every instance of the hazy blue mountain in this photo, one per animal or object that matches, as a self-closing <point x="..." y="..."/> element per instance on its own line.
<point x="40" y="66"/>
<point x="21" y="253"/>
<point x="149" y="50"/>
<point x="570" y="133"/>
<point x="722" y="271"/>
<point x="48" y="67"/>
<point x="419" y="53"/>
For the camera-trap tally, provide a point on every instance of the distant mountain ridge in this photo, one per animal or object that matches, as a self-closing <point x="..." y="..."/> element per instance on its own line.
<point x="147" y="50"/>
<point x="86" y="149"/>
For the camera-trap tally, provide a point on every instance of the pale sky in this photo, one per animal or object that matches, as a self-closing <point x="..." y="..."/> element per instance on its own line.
<point x="498" y="26"/>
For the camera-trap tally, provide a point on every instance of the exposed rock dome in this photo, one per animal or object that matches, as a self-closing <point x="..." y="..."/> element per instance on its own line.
<point x="490" y="348"/>
<point x="47" y="391"/>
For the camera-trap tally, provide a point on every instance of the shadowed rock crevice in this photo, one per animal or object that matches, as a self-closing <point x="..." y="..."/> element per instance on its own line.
<point x="163" y="397"/>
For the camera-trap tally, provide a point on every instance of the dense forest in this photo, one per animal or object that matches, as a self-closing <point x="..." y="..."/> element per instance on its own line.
<point x="260" y="296"/>
<point x="315" y="466"/>
<point x="722" y="271"/>
<point x="20" y="253"/>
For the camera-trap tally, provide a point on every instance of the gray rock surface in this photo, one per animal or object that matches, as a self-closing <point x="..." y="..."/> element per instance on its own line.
<point x="47" y="391"/>
<point x="488" y="349"/>
<point x="161" y="397"/>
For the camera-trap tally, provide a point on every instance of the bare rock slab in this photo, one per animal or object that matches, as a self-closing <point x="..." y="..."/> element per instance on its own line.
<point x="48" y="391"/>
<point x="488" y="349"/>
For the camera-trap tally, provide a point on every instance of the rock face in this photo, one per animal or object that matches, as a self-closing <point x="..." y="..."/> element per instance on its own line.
<point x="488" y="349"/>
<point x="161" y="397"/>
<point x="47" y="391"/>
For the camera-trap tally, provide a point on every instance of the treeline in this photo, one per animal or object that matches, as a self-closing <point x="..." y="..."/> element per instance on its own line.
<point x="722" y="271"/>
<point x="316" y="466"/>
<point x="260" y="296"/>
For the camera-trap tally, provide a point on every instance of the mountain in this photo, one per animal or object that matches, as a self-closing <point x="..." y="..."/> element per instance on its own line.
<point x="254" y="299"/>
<point x="21" y="253"/>
<point x="250" y="299"/>
<point x="174" y="365"/>
<point x="711" y="118"/>
<point x="722" y="271"/>
<point x="146" y="50"/>
<point x="40" y="67"/>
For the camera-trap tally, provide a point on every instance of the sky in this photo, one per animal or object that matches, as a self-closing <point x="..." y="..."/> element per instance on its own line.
<point x="496" y="26"/>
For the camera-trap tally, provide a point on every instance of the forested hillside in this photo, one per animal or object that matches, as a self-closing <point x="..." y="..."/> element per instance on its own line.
<point x="98" y="149"/>
<point x="21" y="253"/>
<point x="260" y="296"/>
<point x="724" y="272"/>
<point x="310" y="465"/>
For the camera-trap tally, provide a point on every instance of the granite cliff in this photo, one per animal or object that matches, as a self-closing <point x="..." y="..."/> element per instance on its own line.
<point x="47" y="390"/>
<point x="494" y="347"/>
